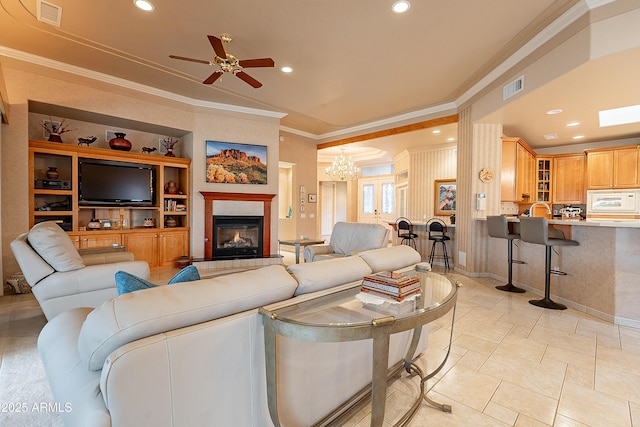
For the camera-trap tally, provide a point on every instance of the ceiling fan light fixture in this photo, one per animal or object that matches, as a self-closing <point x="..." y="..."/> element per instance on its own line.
<point x="145" y="5"/>
<point x="400" y="6"/>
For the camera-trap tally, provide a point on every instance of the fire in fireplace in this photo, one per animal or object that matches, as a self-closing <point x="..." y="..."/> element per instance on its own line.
<point x="237" y="236"/>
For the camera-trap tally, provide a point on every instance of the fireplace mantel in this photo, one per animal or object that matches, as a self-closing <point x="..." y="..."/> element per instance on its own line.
<point x="210" y="196"/>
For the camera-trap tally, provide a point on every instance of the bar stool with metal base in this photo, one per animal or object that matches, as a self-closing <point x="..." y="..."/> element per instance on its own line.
<point x="405" y="232"/>
<point x="498" y="227"/>
<point x="537" y="231"/>
<point x="437" y="231"/>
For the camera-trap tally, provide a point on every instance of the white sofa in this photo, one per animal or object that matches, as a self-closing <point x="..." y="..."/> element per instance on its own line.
<point x="61" y="278"/>
<point x="192" y="354"/>
<point x="349" y="238"/>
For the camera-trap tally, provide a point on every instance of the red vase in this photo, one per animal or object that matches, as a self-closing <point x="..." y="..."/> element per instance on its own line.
<point x="119" y="142"/>
<point x="55" y="137"/>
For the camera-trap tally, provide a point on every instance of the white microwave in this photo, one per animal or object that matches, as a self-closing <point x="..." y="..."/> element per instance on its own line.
<point x="612" y="202"/>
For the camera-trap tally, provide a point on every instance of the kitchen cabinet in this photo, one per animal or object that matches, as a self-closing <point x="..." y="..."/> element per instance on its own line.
<point x="543" y="179"/>
<point x="613" y="168"/>
<point x="518" y="171"/>
<point x="568" y="179"/>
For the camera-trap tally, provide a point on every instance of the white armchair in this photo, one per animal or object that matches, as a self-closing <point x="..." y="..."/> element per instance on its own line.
<point x="349" y="238"/>
<point x="61" y="278"/>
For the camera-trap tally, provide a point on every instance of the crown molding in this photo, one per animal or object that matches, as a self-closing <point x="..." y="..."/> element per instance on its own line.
<point x="106" y="78"/>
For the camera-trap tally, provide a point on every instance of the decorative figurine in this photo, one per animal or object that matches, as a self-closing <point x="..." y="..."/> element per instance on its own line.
<point x="148" y="150"/>
<point x="87" y="140"/>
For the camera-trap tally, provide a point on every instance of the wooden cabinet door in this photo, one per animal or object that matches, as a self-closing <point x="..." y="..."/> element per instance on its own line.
<point x="88" y="241"/>
<point x="143" y="245"/>
<point x="600" y="170"/>
<point x="625" y="168"/>
<point x="568" y="179"/>
<point x="518" y="171"/>
<point x="171" y="246"/>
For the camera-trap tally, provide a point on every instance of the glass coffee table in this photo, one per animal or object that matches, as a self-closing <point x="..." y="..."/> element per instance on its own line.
<point x="341" y="317"/>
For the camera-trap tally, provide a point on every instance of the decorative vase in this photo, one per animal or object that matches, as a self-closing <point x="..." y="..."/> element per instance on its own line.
<point x="119" y="142"/>
<point x="184" y="261"/>
<point x="148" y="222"/>
<point x="53" y="173"/>
<point x="170" y="222"/>
<point x="170" y="153"/>
<point x="55" y="137"/>
<point x="94" y="224"/>
<point x="453" y="218"/>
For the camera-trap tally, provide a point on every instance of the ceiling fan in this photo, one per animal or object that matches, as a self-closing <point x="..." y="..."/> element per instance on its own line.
<point x="228" y="63"/>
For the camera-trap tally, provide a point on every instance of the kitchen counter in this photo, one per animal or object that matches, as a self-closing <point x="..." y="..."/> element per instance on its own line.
<point x="602" y="272"/>
<point x="589" y="222"/>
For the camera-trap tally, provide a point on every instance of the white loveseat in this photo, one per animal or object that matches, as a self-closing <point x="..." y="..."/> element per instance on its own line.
<point x="349" y="238"/>
<point x="192" y="354"/>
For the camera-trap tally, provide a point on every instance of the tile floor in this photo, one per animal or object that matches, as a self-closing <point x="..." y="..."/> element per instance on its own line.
<point x="511" y="364"/>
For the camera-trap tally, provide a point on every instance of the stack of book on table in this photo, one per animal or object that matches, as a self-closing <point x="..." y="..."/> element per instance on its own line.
<point x="397" y="286"/>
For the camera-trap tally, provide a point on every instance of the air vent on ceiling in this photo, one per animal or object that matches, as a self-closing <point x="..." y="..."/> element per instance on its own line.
<point x="512" y="88"/>
<point x="49" y="13"/>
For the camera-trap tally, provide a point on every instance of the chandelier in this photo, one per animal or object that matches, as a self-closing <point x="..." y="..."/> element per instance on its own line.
<point x="342" y="169"/>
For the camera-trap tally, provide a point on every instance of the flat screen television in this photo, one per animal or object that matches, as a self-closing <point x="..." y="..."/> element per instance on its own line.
<point x="111" y="183"/>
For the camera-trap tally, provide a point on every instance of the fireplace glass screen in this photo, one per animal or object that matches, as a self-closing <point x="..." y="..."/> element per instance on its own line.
<point x="237" y="237"/>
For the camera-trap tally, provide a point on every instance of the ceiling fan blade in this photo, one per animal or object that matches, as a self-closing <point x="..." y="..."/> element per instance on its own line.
<point x="213" y="77"/>
<point x="261" y="62"/>
<point x="216" y="43"/>
<point x="183" y="58"/>
<point x="248" y="79"/>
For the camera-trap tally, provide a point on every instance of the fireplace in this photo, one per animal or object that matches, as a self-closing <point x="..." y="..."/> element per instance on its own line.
<point x="211" y="196"/>
<point x="237" y="236"/>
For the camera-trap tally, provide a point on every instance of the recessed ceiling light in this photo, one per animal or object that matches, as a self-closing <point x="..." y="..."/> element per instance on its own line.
<point x="286" y="69"/>
<point x="619" y="116"/>
<point x="451" y="139"/>
<point x="436" y="131"/>
<point x="400" y="6"/>
<point x="554" y="111"/>
<point x="551" y="136"/>
<point x="572" y="124"/>
<point x="145" y="5"/>
<point x="578" y="137"/>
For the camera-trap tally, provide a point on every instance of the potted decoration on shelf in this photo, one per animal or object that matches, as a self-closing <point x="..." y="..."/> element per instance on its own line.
<point x="169" y="144"/>
<point x="55" y="129"/>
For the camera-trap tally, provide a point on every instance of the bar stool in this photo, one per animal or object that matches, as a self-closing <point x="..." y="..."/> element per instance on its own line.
<point x="537" y="231"/>
<point x="437" y="230"/>
<point x="405" y="232"/>
<point x="498" y="227"/>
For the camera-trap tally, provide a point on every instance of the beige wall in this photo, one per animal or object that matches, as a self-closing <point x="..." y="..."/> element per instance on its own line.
<point x="425" y="166"/>
<point x="302" y="153"/>
<point x="23" y="86"/>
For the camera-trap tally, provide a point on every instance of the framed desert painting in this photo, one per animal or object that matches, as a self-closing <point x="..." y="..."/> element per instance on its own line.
<point x="233" y="163"/>
<point x="445" y="196"/>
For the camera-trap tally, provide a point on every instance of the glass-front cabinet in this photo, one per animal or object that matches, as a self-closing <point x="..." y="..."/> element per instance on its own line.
<point x="543" y="180"/>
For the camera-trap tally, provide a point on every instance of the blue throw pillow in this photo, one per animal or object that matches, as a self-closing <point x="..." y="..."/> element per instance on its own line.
<point x="127" y="282"/>
<point x="187" y="274"/>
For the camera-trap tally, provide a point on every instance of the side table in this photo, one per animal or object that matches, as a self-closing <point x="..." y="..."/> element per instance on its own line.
<point x="298" y="243"/>
<point x="307" y="321"/>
